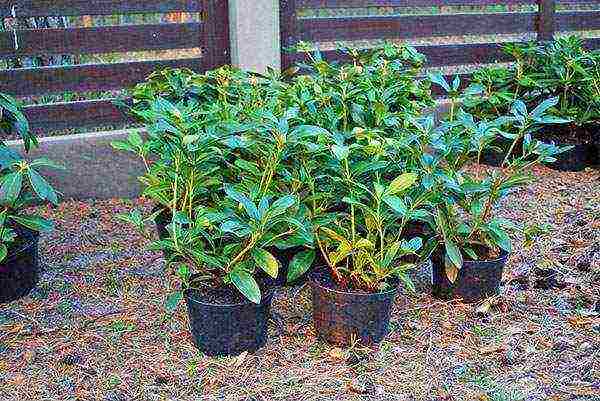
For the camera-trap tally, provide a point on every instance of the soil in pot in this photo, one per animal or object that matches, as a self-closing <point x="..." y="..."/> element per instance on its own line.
<point x="584" y="152"/>
<point x="343" y="316"/>
<point x="224" y="323"/>
<point x="19" y="271"/>
<point x="476" y="280"/>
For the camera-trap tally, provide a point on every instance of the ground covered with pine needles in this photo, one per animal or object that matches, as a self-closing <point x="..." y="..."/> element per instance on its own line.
<point x="95" y="328"/>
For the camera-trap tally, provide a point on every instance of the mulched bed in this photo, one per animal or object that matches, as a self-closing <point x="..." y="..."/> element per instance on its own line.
<point x="95" y="329"/>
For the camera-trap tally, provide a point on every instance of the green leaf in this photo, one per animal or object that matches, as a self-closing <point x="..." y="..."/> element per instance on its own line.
<point x="45" y="162"/>
<point x="247" y="166"/>
<point x="267" y="262"/>
<point x="500" y="237"/>
<point x="390" y="254"/>
<point x="397" y="204"/>
<point x="408" y="283"/>
<point x="281" y="205"/>
<point x="300" y="264"/>
<point x="41" y="187"/>
<point x="438" y="78"/>
<point x="11" y="187"/>
<point x="542" y="107"/>
<point x="246" y="284"/>
<point x="340" y="152"/>
<point x="136" y="140"/>
<point x="3" y="252"/>
<point x="248" y="205"/>
<point x="35" y="223"/>
<point x="173" y="300"/>
<point x="453" y="254"/>
<point x="401" y="183"/>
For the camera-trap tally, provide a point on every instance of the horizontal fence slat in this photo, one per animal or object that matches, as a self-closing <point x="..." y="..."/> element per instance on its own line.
<point x="403" y="3"/>
<point x="40" y="8"/>
<point x="437" y="55"/>
<point x="578" y="20"/>
<point x="91" y="77"/>
<point x="83" y="114"/>
<point x="355" y="28"/>
<point x="100" y="39"/>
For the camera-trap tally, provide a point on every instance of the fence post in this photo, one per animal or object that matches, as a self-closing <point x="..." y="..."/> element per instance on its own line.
<point x="287" y="21"/>
<point x="546" y="20"/>
<point x="215" y="32"/>
<point x="254" y="31"/>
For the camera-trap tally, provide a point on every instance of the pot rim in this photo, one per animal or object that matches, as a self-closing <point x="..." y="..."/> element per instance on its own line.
<point x="393" y="290"/>
<point x="266" y="296"/>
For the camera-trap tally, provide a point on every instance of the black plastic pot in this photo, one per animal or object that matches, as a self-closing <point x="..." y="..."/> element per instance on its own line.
<point x="19" y="271"/>
<point x="476" y="280"/>
<point x="495" y="157"/>
<point x="342" y="316"/>
<point x="576" y="159"/>
<point x="220" y="329"/>
<point x="162" y="220"/>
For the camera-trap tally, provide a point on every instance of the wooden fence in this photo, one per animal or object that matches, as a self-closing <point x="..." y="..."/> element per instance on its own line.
<point x="210" y="34"/>
<point x="544" y="22"/>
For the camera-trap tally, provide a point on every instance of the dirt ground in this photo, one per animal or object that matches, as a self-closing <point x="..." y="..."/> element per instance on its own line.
<point x="95" y="328"/>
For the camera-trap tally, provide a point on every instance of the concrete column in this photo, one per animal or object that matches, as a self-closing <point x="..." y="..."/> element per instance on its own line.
<point x="254" y="33"/>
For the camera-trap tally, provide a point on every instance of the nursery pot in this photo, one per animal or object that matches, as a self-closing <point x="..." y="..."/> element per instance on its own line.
<point x="575" y="159"/>
<point x="162" y="220"/>
<point x="495" y="157"/>
<point x="584" y="141"/>
<point x="476" y="280"/>
<point x="226" y="329"/>
<point x="343" y="316"/>
<point x="20" y="269"/>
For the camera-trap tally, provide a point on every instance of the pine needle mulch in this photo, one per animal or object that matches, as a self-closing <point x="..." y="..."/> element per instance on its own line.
<point x="95" y="328"/>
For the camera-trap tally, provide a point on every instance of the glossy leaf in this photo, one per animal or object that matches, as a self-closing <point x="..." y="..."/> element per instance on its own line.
<point x="300" y="264"/>
<point x="266" y="261"/>
<point x="246" y="284"/>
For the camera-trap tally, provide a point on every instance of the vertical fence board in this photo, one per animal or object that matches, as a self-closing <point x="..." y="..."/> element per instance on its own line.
<point x="216" y="32"/>
<point x="546" y="19"/>
<point x="288" y="29"/>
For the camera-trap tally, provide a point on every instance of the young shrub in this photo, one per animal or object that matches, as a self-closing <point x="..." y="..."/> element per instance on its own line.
<point x="21" y="186"/>
<point x="563" y="69"/>
<point x="377" y="88"/>
<point x="467" y="234"/>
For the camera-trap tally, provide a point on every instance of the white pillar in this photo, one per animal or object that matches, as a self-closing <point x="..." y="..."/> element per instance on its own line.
<point x="254" y="33"/>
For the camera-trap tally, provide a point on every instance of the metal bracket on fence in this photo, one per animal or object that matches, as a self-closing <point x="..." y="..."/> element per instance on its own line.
<point x="13" y="12"/>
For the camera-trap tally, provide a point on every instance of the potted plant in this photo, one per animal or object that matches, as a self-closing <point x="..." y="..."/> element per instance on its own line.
<point x="471" y="246"/>
<point x="363" y="251"/>
<point x="229" y="208"/>
<point x="563" y="69"/>
<point x="21" y="186"/>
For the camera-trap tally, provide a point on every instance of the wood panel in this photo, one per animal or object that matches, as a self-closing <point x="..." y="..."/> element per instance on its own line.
<point x="89" y="113"/>
<point x="101" y="39"/>
<point x="578" y="20"/>
<point x="438" y="55"/>
<point x="81" y="78"/>
<point x="388" y="27"/>
<point x="40" y="8"/>
<point x="215" y="33"/>
<point x="403" y="3"/>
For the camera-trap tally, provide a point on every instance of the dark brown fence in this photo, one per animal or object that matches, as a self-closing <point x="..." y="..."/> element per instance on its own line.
<point x="543" y="22"/>
<point x="210" y="34"/>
